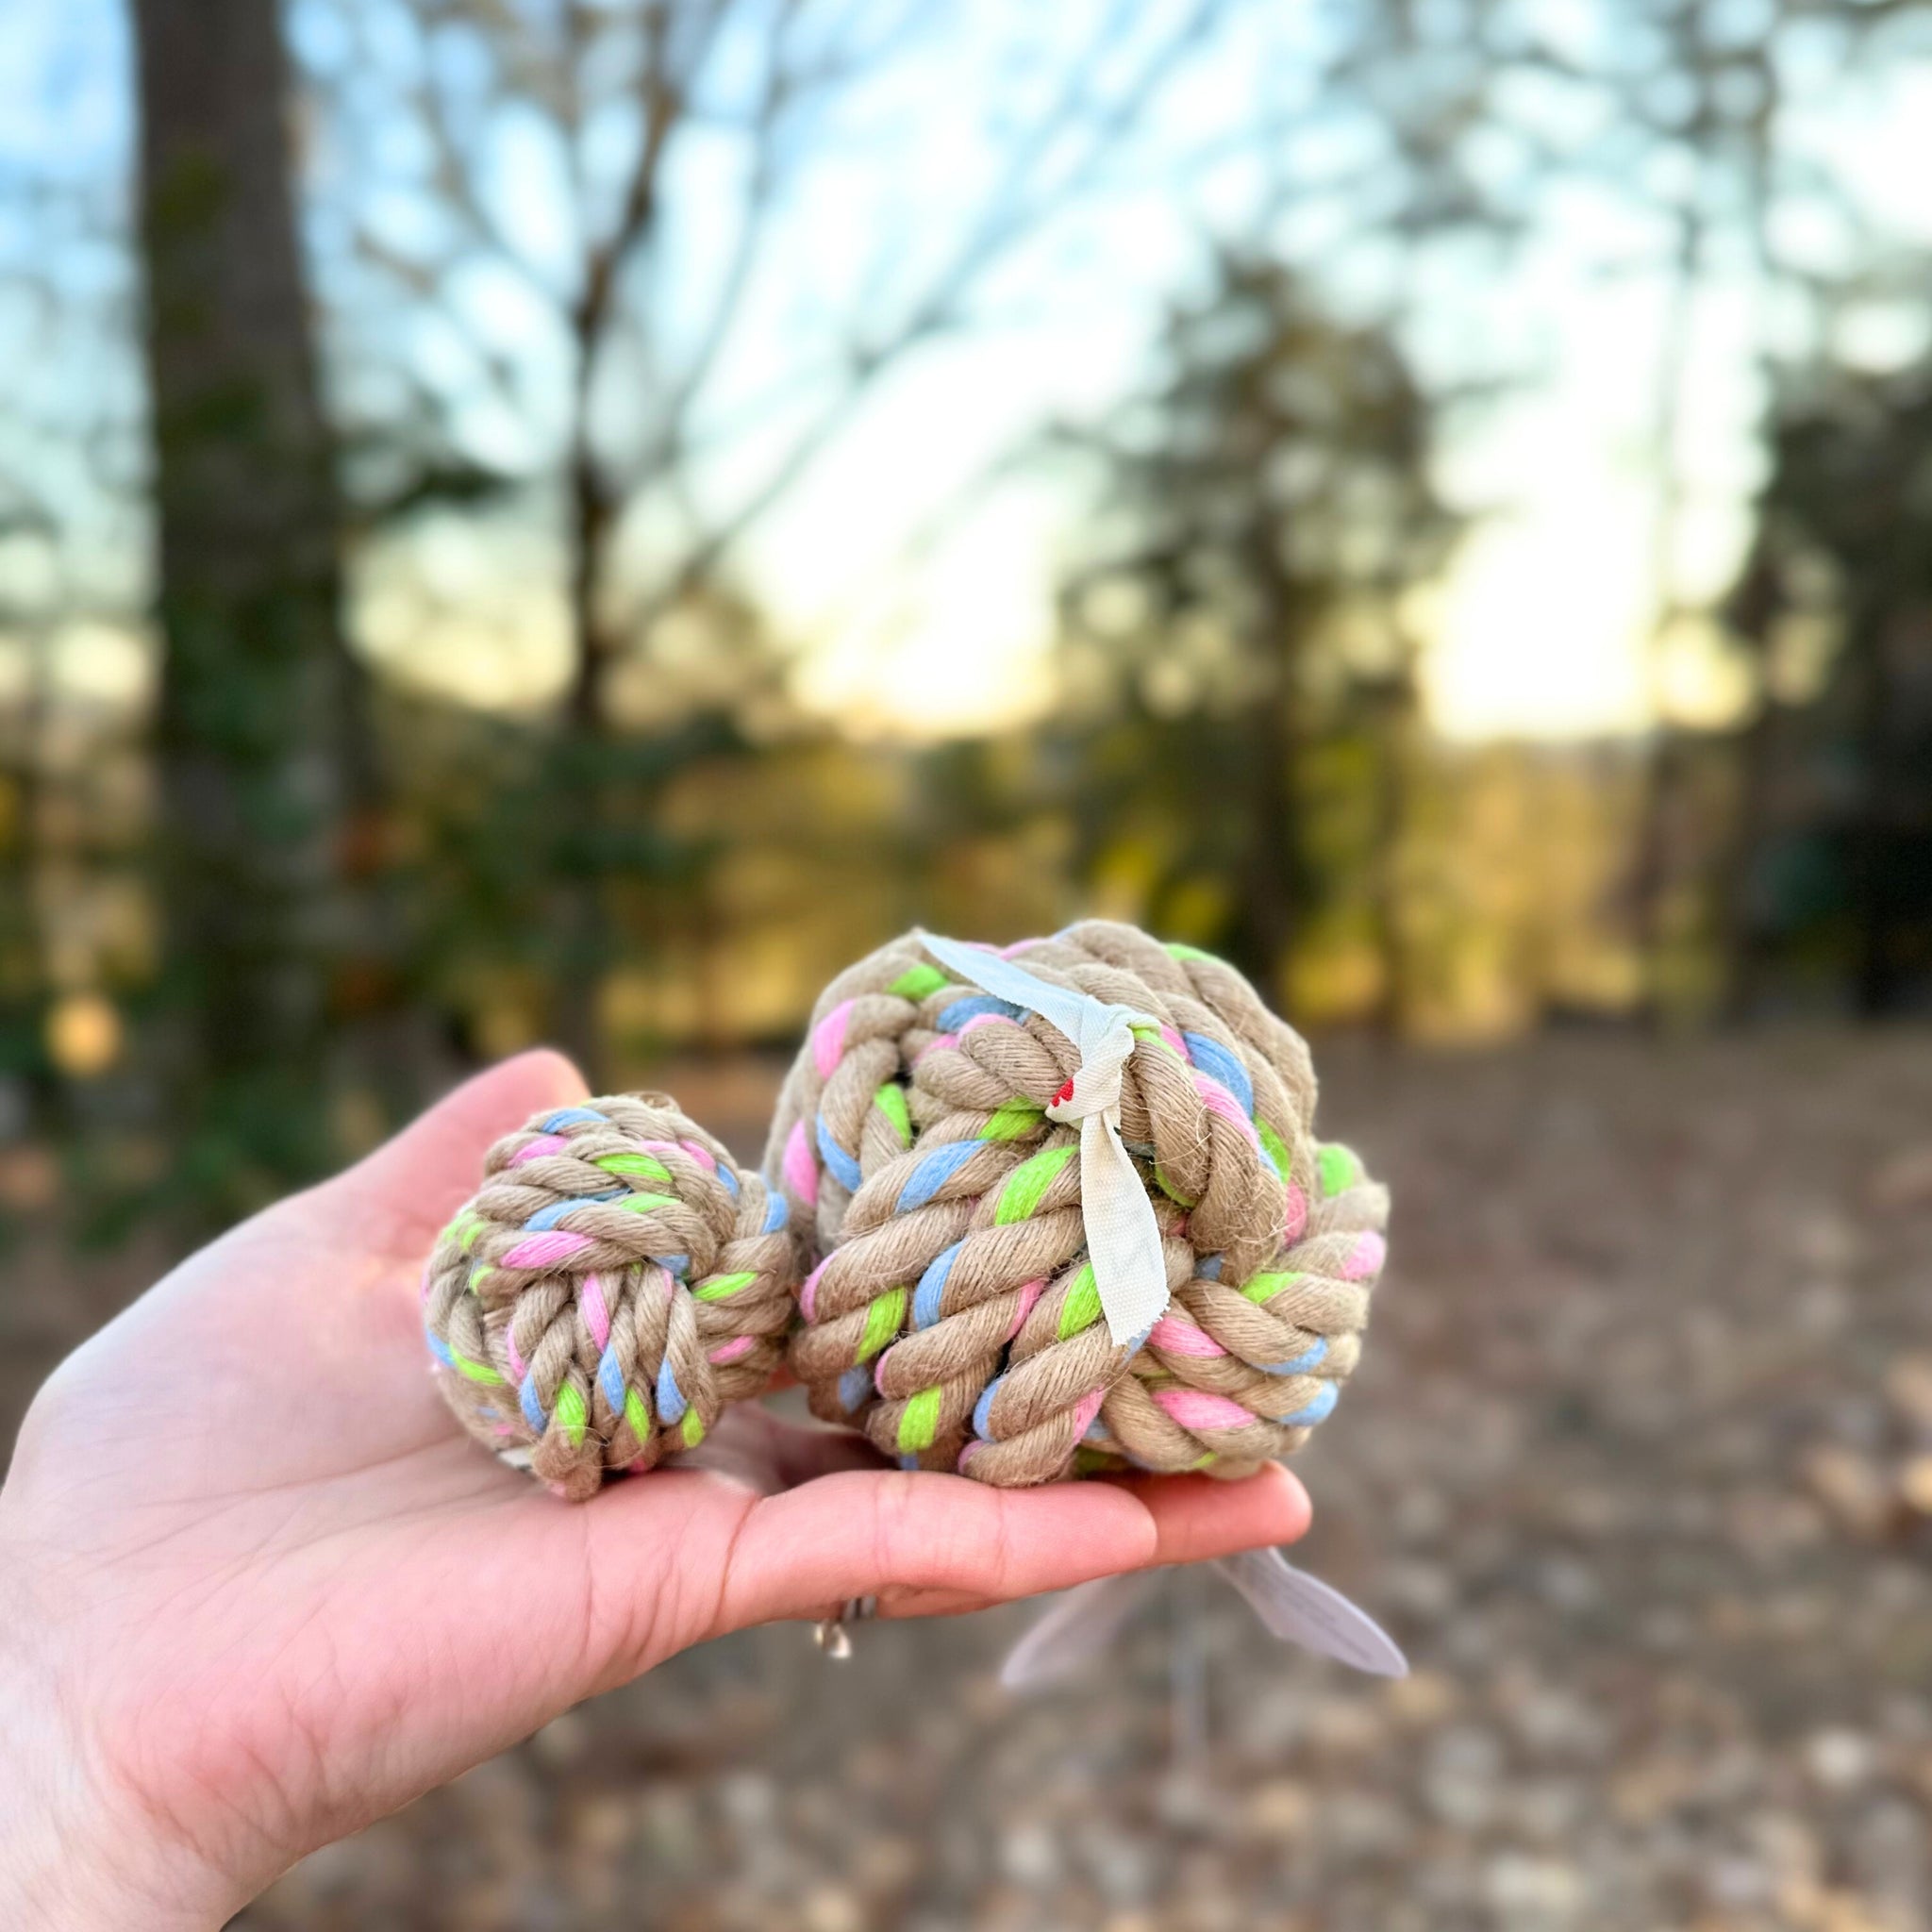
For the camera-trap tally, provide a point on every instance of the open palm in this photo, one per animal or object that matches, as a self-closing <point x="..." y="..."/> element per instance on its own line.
<point x="256" y="1589"/>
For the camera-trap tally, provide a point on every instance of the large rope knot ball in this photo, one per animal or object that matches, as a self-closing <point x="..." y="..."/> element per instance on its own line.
<point x="952" y="1310"/>
<point x="613" y="1284"/>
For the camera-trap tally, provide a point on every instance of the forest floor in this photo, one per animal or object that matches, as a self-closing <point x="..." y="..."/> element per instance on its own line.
<point x="1637" y="1467"/>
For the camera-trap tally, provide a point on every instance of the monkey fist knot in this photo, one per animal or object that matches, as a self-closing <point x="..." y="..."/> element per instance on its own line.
<point x="615" y="1281"/>
<point x="951" y="1310"/>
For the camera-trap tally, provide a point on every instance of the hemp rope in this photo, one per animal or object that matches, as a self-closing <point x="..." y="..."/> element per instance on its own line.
<point x="951" y="1312"/>
<point x="614" y="1283"/>
<point x="618" y="1279"/>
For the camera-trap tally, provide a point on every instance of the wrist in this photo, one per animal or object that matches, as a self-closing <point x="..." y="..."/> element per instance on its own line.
<point x="70" y="1858"/>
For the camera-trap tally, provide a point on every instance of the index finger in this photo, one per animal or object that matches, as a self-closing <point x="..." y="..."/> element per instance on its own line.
<point x="923" y="1543"/>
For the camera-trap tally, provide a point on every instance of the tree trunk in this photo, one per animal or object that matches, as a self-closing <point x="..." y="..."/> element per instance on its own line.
<point x="1266" y="919"/>
<point x="1875" y="977"/>
<point x="24" y="985"/>
<point x="1738" y="940"/>
<point x="583" y="926"/>
<point x="1395" y="712"/>
<point x="1662" y="769"/>
<point x="257" y="706"/>
<point x="1270" y="881"/>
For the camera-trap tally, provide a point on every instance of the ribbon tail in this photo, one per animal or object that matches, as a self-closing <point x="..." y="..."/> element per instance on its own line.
<point x="1072" y="1629"/>
<point x="1060" y="1006"/>
<point x="1300" y="1608"/>
<point x="1123" y="1237"/>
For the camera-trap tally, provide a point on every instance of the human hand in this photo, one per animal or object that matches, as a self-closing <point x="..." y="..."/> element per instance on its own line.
<point x="257" y="1589"/>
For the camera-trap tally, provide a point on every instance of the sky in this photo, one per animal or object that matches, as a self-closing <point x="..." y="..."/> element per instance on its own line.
<point x="915" y="572"/>
<point x="1543" y="625"/>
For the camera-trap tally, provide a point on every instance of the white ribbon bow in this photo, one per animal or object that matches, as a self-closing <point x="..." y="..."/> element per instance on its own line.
<point x="1122" y="1238"/>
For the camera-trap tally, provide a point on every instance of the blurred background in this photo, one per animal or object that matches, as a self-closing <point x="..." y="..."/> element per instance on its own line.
<point x="572" y="520"/>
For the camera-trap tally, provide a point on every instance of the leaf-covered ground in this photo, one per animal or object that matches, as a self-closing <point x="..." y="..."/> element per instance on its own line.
<point x="1639" y="1467"/>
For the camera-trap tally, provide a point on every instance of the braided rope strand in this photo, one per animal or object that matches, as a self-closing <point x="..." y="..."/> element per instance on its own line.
<point x="613" y="1284"/>
<point x="951" y="1311"/>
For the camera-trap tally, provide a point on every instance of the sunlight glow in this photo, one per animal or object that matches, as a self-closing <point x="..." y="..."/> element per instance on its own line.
<point x="1542" y="626"/>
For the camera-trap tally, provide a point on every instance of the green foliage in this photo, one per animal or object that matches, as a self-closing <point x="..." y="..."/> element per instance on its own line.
<point x="1277" y="505"/>
<point x="522" y="815"/>
<point x="1839" y="860"/>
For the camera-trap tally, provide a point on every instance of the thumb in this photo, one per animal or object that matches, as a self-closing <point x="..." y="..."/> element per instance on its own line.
<point x="397" y="1197"/>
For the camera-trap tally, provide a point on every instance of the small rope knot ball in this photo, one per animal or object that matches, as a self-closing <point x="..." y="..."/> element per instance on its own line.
<point x="613" y="1284"/>
<point x="951" y="1310"/>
